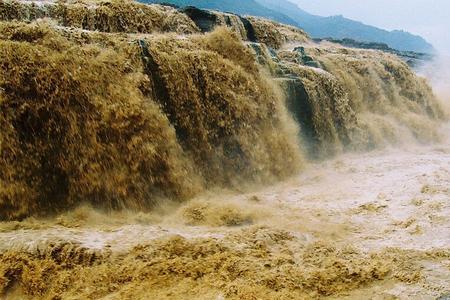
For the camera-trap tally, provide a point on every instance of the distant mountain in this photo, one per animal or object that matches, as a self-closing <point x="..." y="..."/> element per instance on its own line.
<point x="336" y="27"/>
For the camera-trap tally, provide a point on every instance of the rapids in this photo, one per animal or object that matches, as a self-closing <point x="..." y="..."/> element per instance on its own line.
<point x="381" y="218"/>
<point x="149" y="152"/>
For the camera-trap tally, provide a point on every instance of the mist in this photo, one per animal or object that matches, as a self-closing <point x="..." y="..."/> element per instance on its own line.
<point x="438" y="74"/>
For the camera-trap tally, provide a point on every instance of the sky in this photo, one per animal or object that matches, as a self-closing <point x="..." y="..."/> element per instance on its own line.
<point x="428" y="18"/>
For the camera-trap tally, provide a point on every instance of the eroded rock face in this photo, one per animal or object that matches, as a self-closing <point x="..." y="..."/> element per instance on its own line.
<point x="298" y="104"/>
<point x="208" y="20"/>
<point x="205" y="20"/>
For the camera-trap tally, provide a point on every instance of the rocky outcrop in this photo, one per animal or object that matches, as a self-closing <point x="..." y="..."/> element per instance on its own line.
<point x="205" y="20"/>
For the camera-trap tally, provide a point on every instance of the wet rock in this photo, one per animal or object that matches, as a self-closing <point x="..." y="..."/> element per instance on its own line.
<point x="298" y="104"/>
<point x="251" y="34"/>
<point x="266" y="57"/>
<point x="205" y="20"/>
<point x="305" y="59"/>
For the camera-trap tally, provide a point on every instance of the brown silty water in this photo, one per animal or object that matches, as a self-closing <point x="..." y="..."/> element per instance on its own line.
<point x="144" y="158"/>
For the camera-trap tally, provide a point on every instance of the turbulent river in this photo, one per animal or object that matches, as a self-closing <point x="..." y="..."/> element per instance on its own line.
<point x="393" y="203"/>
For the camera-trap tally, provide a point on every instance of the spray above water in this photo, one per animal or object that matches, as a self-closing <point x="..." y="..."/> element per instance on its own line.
<point x="366" y="99"/>
<point x="438" y="73"/>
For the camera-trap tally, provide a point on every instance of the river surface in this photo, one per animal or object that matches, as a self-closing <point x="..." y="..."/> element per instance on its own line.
<point x="392" y="198"/>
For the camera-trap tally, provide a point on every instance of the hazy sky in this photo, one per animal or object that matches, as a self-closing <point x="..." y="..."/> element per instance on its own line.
<point x="428" y="18"/>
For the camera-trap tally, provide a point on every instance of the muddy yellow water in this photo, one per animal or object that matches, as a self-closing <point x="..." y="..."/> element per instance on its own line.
<point x="361" y="226"/>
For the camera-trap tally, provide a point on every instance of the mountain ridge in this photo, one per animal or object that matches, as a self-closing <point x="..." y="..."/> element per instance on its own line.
<point x="339" y="27"/>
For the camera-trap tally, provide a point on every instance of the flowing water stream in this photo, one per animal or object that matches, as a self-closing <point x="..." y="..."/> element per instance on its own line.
<point x="396" y="199"/>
